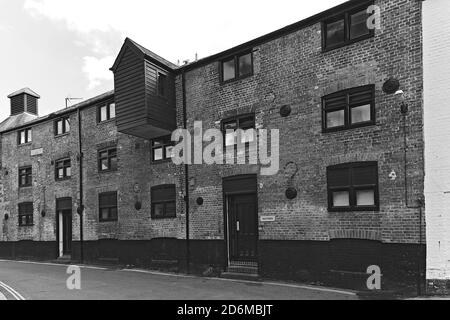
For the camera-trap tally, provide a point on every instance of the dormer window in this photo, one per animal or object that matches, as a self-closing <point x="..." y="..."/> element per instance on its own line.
<point x="25" y="136"/>
<point x="237" y="67"/>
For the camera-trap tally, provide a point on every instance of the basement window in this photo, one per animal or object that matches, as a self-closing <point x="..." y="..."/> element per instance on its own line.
<point x="107" y="160"/>
<point x="346" y="28"/>
<point x="353" y="187"/>
<point x="106" y="112"/>
<point x="63" y="169"/>
<point x="349" y="109"/>
<point x="25" y="214"/>
<point x="25" y="177"/>
<point x="164" y="202"/>
<point x="237" y="67"/>
<point x="108" y="206"/>
<point x="62" y="126"/>
<point x="24" y="136"/>
<point x="162" y="149"/>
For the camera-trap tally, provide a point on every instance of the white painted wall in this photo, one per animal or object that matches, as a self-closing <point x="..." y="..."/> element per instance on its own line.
<point x="436" y="28"/>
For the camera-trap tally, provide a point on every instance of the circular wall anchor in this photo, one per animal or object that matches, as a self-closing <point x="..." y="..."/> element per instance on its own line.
<point x="391" y="86"/>
<point x="291" y="193"/>
<point x="6" y="217"/>
<point x="285" y="111"/>
<point x="200" y="201"/>
<point x="138" y="205"/>
<point x="43" y="213"/>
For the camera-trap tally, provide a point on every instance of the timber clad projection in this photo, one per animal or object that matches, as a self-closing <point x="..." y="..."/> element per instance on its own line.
<point x="144" y="108"/>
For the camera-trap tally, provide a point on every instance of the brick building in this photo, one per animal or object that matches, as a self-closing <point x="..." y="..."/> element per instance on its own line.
<point x="348" y="195"/>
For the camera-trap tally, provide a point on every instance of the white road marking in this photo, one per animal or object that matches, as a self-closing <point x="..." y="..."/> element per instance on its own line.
<point x="13" y="292"/>
<point x="311" y="288"/>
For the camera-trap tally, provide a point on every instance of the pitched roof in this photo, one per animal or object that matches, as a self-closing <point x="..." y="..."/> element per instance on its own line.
<point x="24" y="90"/>
<point x="17" y="121"/>
<point x="145" y="53"/>
<point x="25" y="119"/>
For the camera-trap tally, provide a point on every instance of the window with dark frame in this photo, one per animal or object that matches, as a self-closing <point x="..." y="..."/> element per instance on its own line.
<point x="162" y="149"/>
<point x="347" y="28"/>
<point x="62" y="126"/>
<point x="106" y="112"/>
<point x="63" y="169"/>
<point x="162" y="85"/>
<point x="231" y="125"/>
<point x="349" y="109"/>
<point x="237" y="67"/>
<point x="107" y="160"/>
<point x="353" y="187"/>
<point x="107" y="203"/>
<point x="164" y="202"/>
<point x="25" y="136"/>
<point x="25" y="214"/>
<point x="25" y="177"/>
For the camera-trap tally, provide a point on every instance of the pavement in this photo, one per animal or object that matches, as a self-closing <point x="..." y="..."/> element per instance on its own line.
<point x="21" y="280"/>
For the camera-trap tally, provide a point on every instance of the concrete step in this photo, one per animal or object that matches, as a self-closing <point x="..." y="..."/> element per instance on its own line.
<point x="243" y="269"/>
<point x="240" y="276"/>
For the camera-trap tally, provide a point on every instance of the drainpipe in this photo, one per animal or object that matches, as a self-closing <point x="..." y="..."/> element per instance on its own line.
<point x="186" y="181"/>
<point x="80" y="209"/>
<point x="420" y="202"/>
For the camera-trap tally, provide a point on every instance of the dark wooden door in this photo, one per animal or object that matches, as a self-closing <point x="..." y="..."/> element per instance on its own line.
<point x="67" y="231"/>
<point x="243" y="227"/>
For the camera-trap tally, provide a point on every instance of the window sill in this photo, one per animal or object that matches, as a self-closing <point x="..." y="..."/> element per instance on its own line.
<point x="108" y="221"/>
<point x="348" y="43"/>
<point x="107" y="171"/>
<point x="25" y="144"/>
<point x="161" y="161"/>
<point x="62" y="135"/>
<point x="28" y="225"/>
<point x="163" y="218"/>
<point x="25" y="187"/>
<point x="106" y="121"/>
<point x="342" y="129"/>
<point x="64" y="179"/>
<point x="354" y="210"/>
<point x="236" y="79"/>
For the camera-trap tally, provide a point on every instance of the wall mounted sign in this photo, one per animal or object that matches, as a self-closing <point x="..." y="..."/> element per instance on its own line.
<point x="268" y="219"/>
<point x="37" y="152"/>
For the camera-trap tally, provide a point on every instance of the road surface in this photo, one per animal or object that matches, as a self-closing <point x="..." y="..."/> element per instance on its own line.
<point x="36" y="281"/>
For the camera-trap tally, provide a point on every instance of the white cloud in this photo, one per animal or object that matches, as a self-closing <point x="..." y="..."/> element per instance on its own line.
<point x="97" y="70"/>
<point x="174" y="29"/>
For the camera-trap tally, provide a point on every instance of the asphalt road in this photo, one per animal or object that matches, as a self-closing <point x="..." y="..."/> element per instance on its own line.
<point x="32" y="281"/>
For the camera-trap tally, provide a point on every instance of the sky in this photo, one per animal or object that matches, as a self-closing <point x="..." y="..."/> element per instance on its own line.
<point x="64" y="48"/>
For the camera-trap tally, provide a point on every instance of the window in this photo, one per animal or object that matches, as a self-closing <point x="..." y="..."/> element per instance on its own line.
<point x="107" y="160"/>
<point x="108" y="206"/>
<point x="63" y="169"/>
<point x="62" y="126"/>
<point x="353" y="187"/>
<point x="162" y="85"/>
<point x="237" y="67"/>
<point x="346" y="28"/>
<point x="349" y="109"/>
<point x="25" y="214"/>
<point x="162" y="149"/>
<point x="230" y="126"/>
<point x="25" y="136"/>
<point x="25" y="177"/>
<point x="164" y="202"/>
<point x="106" y="112"/>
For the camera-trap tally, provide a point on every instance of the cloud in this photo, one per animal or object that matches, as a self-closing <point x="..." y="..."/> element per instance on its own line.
<point x="174" y="29"/>
<point x="97" y="70"/>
